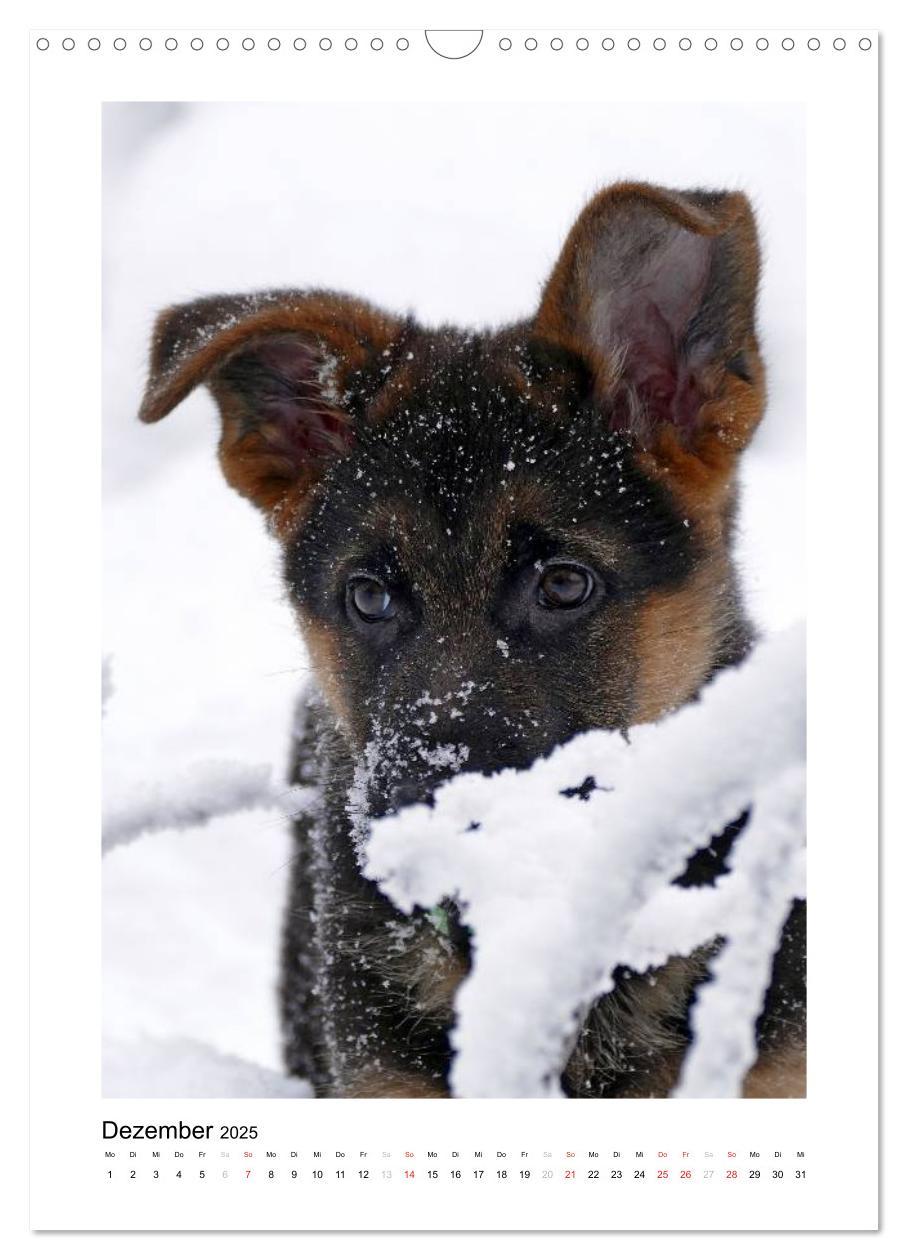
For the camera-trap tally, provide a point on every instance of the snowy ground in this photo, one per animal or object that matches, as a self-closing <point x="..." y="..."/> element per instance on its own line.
<point x="204" y="664"/>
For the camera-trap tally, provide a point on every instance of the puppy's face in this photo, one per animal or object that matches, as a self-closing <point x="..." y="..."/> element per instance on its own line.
<point x="494" y="542"/>
<point x="472" y="577"/>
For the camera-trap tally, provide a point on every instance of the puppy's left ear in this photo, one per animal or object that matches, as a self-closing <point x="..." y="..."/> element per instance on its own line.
<point x="655" y="292"/>
<point x="292" y="374"/>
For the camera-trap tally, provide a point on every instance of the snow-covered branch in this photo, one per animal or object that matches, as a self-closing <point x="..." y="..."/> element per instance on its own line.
<point x="189" y="799"/>
<point x="768" y="872"/>
<point x="574" y="888"/>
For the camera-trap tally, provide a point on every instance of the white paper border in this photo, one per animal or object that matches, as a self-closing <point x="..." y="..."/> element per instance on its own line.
<point x="841" y="555"/>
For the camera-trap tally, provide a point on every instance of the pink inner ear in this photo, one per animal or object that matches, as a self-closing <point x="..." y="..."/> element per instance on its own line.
<point x="655" y="366"/>
<point x="290" y="397"/>
<point x="643" y="321"/>
<point x="302" y="433"/>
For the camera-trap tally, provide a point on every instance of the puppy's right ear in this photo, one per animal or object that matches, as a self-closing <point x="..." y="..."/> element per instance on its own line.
<point x="291" y="373"/>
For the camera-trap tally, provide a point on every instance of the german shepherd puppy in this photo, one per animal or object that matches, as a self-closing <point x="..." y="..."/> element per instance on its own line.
<point x="493" y="541"/>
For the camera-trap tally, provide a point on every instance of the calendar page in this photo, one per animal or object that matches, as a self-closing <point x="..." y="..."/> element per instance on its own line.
<point x="455" y="450"/>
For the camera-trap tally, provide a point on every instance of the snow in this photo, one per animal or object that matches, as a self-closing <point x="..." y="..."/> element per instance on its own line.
<point x="387" y="750"/>
<point x="191" y="922"/>
<point x="189" y="1069"/>
<point x="203" y="661"/>
<point x="193" y="797"/>
<point x="107" y="687"/>
<point x="557" y="881"/>
<point x="768" y="870"/>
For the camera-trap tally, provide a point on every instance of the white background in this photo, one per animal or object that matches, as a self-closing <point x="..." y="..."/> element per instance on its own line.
<point x="848" y="278"/>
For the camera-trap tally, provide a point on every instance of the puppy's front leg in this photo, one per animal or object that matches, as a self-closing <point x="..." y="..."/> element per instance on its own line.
<point x="385" y="988"/>
<point x="390" y="1082"/>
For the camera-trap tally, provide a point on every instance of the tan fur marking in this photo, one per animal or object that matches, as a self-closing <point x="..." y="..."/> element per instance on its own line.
<point x="387" y="400"/>
<point x="438" y="974"/>
<point x="700" y="488"/>
<point x="633" y="1034"/>
<point x="676" y="635"/>
<point x="429" y="970"/>
<point x="778" y="1073"/>
<point x="323" y="652"/>
<point x="390" y="1083"/>
<point x="702" y="478"/>
<point x="657" y="1081"/>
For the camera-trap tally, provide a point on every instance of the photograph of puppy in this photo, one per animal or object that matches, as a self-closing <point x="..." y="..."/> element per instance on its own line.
<point x="565" y="485"/>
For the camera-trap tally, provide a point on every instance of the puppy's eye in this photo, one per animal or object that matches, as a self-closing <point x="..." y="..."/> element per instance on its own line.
<point x="370" y="598"/>
<point x="563" y="586"/>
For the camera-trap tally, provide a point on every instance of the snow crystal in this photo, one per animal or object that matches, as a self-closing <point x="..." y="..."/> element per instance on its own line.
<point x="444" y="756"/>
<point x="327" y="375"/>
